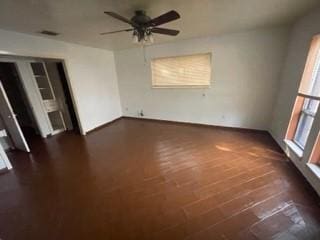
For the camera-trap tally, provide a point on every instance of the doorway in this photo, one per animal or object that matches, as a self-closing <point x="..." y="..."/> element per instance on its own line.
<point x="17" y="120"/>
<point x="36" y="96"/>
<point x="68" y="97"/>
<point x="11" y="83"/>
<point x="55" y="94"/>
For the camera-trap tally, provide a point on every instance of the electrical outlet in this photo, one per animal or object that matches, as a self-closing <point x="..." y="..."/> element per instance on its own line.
<point x="141" y="114"/>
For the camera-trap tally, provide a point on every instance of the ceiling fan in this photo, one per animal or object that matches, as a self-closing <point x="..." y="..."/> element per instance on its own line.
<point x="143" y="26"/>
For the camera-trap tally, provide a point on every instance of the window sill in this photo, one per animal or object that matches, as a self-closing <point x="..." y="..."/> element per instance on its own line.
<point x="294" y="148"/>
<point x="314" y="168"/>
<point x="181" y="87"/>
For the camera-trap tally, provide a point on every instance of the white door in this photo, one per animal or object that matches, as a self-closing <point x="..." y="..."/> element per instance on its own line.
<point x="52" y="108"/>
<point x="4" y="158"/>
<point x="10" y="120"/>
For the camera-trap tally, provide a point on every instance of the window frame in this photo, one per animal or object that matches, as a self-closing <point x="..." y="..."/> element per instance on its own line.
<point x="308" y="81"/>
<point x="204" y="86"/>
<point x="304" y="113"/>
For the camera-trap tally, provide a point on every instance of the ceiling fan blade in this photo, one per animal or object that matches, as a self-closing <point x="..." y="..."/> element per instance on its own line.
<point x="164" y="18"/>
<point x="165" y="31"/>
<point x="124" y="30"/>
<point x="123" y="19"/>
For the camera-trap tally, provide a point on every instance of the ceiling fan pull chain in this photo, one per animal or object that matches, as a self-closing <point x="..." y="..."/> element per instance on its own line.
<point x="144" y="54"/>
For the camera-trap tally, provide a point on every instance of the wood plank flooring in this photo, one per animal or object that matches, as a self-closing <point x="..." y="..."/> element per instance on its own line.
<point x="139" y="179"/>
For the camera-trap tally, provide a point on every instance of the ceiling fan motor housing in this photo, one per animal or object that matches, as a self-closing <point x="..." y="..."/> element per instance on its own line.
<point x="140" y="17"/>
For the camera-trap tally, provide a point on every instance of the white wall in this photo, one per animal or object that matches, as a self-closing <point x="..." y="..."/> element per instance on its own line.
<point x="245" y="74"/>
<point x="91" y="71"/>
<point x="4" y="161"/>
<point x="2" y="164"/>
<point x="2" y="142"/>
<point x="299" y="45"/>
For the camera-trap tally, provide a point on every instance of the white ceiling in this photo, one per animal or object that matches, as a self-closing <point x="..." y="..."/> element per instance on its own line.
<point x="82" y="21"/>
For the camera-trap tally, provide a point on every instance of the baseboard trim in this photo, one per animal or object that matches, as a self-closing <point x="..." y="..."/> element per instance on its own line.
<point x="4" y="170"/>
<point x="103" y="125"/>
<point x="197" y="124"/>
<point x="180" y="123"/>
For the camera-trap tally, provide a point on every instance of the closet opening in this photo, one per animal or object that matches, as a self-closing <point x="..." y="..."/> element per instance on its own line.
<point x="35" y="101"/>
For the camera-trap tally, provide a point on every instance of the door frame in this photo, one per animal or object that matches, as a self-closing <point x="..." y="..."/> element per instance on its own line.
<point x="14" y="131"/>
<point x="44" y="107"/>
<point x="15" y="61"/>
<point x="15" y="58"/>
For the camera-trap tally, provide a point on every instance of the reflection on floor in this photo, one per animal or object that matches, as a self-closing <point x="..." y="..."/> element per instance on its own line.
<point x="149" y="180"/>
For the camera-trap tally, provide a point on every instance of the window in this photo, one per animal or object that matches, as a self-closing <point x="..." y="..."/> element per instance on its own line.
<point x="308" y="112"/>
<point x="182" y="71"/>
<point x="315" y="154"/>
<point x="307" y="102"/>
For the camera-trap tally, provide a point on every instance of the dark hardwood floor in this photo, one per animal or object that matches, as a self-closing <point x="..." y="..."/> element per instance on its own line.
<point x="150" y="180"/>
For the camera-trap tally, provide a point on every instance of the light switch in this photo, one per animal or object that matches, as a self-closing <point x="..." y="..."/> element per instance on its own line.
<point x="3" y="133"/>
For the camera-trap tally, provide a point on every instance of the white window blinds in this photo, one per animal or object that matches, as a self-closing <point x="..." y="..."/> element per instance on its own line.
<point x="182" y="71"/>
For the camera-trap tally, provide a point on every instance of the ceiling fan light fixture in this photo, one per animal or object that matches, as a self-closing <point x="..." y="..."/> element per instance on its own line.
<point x="148" y="38"/>
<point x="135" y="37"/>
<point x="151" y="39"/>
